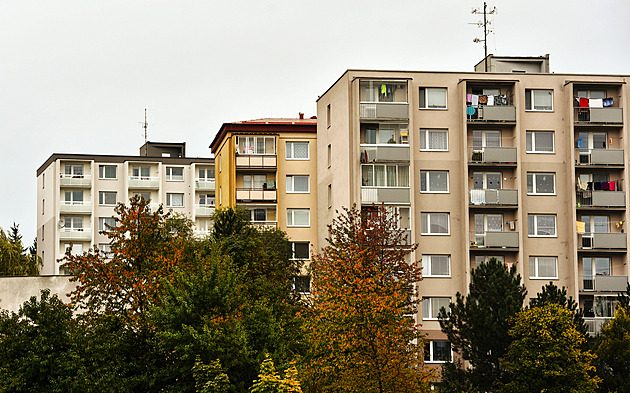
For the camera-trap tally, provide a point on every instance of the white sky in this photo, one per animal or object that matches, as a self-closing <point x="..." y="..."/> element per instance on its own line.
<point x="75" y="76"/>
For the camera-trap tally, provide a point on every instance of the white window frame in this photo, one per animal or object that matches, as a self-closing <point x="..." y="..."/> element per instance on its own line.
<point x="206" y="171"/>
<point x="533" y="142"/>
<point x="427" y="183"/>
<point x="169" y="199"/>
<point x="105" y="220"/>
<point x="76" y="223"/>
<point x="534" y="176"/>
<point x="425" y="91"/>
<point x="72" y="201"/>
<point x="290" y="151"/>
<point x="385" y="172"/>
<point x="431" y="360"/>
<point x="534" y="261"/>
<point x="170" y="176"/>
<point x="427" y="270"/>
<point x="427" y="307"/>
<point x="77" y="248"/>
<point x="102" y="174"/>
<point x="206" y="199"/>
<point x="428" y="218"/>
<point x="533" y="103"/>
<point x="425" y="138"/>
<point x="535" y="217"/>
<point x="102" y="198"/>
<point x="308" y="278"/>
<point x="308" y="253"/>
<point x="291" y="184"/>
<point x="291" y="217"/>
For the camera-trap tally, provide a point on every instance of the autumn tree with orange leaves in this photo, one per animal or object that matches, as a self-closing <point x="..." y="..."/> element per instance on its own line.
<point x="360" y="333"/>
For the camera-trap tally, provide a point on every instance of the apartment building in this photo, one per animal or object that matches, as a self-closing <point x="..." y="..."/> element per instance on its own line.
<point x="77" y="193"/>
<point x="269" y="167"/>
<point x="523" y="165"/>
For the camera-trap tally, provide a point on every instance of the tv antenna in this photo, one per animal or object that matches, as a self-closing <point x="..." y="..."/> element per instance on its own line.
<point x="145" y="125"/>
<point x="486" y="31"/>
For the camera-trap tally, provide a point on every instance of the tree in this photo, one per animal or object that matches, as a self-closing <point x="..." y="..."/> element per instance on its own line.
<point x="270" y="381"/>
<point x="360" y="333"/>
<point x="210" y="378"/>
<point x="477" y="325"/>
<point x="14" y="259"/>
<point x="546" y="354"/>
<point x="613" y="353"/>
<point x="551" y="294"/>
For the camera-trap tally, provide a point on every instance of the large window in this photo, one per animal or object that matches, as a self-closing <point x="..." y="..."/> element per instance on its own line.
<point x="107" y="198"/>
<point x="434" y="223"/>
<point x="297" y="184"/>
<point x="432" y="98"/>
<point x="298" y="218"/>
<point x="434" y="181"/>
<point x="105" y="224"/>
<point x="433" y="140"/>
<point x="431" y="306"/>
<point x="257" y="182"/>
<point x="479" y="259"/>
<point x="538" y="100"/>
<point x="107" y="171"/>
<point x="255" y="145"/>
<point x="297" y="150"/>
<point x="543" y="267"/>
<point x="437" y="352"/>
<point x="385" y="175"/>
<point x="300" y="250"/>
<point x="73" y="197"/>
<point x="539" y="141"/>
<point x="206" y="200"/>
<point x="174" y="173"/>
<point x="436" y="265"/>
<point x="140" y="172"/>
<point x="73" y="223"/>
<point x="541" y="183"/>
<point x="539" y="225"/>
<point x="483" y="139"/>
<point x="73" y="170"/>
<point x="206" y="173"/>
<point x="174" y="199"/>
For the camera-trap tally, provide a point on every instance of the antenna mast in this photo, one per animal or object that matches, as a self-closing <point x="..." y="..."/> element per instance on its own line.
<point x="486" y="31"/>
<point x="145" y="125"/>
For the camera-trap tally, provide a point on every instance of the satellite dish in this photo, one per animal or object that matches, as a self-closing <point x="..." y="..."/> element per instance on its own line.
<point x="61" y="223"/>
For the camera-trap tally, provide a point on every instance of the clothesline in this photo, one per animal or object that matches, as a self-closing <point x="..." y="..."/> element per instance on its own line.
<point x="594" y="102"/>
<point x="490" y="100"/>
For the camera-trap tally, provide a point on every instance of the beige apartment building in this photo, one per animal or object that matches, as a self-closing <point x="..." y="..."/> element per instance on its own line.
<point x="519" y="164"/>
<point x="77" y="193"/>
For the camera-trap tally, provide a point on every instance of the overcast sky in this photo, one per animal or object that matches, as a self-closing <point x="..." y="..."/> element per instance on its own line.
<point x="76" y="76"/>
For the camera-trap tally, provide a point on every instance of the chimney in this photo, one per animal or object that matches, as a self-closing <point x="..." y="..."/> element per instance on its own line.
<point x="301" y="115"/>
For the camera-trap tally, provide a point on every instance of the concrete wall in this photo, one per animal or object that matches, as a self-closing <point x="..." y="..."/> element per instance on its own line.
<point x="14" y="291"/>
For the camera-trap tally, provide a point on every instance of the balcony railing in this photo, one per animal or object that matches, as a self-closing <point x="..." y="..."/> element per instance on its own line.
<point x="603" y="283"/>
<point x="491" y="239"/>
<point x="201" y="234"/>
<point x="256" y="161"/>
<point x="75" y="234"/>
<point x="596" y="198"/>
<point x="595" y="324"/>
<point x="492" y="155"/>
<point x="269" y="224"/>
<point x="204" y="210"/>
<point x="598" y="115"/>
<point x="482" y="197"/>
<point x="256" y="194"/>
<point x="385" y="153"/>
<point x="75" y="207"/>
<point x="604" y="241"/>
<point x="488" y="113"/>
<point x="384" y="110"/>
<point x="144" y="182"/>
<point x="205" y="184"/>
<point x="67" y="180"/>
<point x="385" y="194"/>
<point x="609" y="157"/>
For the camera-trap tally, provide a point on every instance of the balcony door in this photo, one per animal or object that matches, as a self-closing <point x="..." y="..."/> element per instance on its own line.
<point x="482" y="139"/>
<point x="487" y="223"/>
<point x="594" y="224"/>
<point x="487" y="180"/>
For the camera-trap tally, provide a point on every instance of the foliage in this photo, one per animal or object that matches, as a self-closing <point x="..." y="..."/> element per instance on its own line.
<point x="270" y="381"/>
<point x="613" y="353"/>
<point x="477" y="325"/>
<point x="15" y="260"/>
<point x="551" y="294"/>
<point x="623" y="299"/>
<point x="359" y="332"/>
<point x="210" y="378"/>
<point x="546" y="354"/>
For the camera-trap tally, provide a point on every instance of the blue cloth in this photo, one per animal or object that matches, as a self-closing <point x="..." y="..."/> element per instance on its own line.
<point x="608" y="101"/>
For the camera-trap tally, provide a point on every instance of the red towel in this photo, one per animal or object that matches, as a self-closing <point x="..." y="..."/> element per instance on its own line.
<point x="611" y="185"/>
<point x="583" y="102"/>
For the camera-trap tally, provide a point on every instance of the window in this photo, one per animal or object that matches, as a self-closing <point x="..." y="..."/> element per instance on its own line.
<point x="539" y="141"/>
<point x="433" y="181"/>
<point x="73" y="170"/>
<point x="107" y="197"/>
<point x="328" y="116"/>
<point x="74" y="197"/>
<point x="206" y="199"/>
<point x="543" y="267"/>
<point x="487" y="180"/>
<point x="302" y="284"/>
<point x="433" y="140"/>
<point x="140" y="172"/>
<point x="431" y="306"/>
<point x="144" y="195"/>
<point x="258" y="215"/>
<point x="541" y="225"/>
<point x="541" y="183"/>
<point x="43" y="180"/>
<point x="432" y="98"/>
<point x="75" y="248"/>
<point x="298" y="218"/>
<point x="174" y="173"/>
<point x="436" y="265"/>
<point x="297" y="150"/>
<point x="483" y="139"/>
<point x="297" y="184"/>
<point x="174" y="200"/>
<point x="329" y="160"/>
<point x="255" y="145"/>
<point x="107" y="172"/>
<point x="105" y="248"/>
<point x="73" y="223"/>
<point x="300" y="250"/>
<point x="437" y="351"/>
<point x="479" y="259"/>
<point x="105" y="224"/>
<point x="538" y="100"/>
<point x="206" y="173"/>
<point x="384" y="175"/>
<point x="255" y="182"/>
<point x="434" y="223"/>
<point x="43" y="232"/>
<point x="329" y="196"/>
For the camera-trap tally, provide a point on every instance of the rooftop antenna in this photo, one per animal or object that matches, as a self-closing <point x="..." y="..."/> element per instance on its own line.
<point x="486" y="31"/>
<point x="145" y="125"/>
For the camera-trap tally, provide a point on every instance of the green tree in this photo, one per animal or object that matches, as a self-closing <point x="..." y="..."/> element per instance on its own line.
<point x="15" y="260"/>
<point x="359" y="332"/>
<point x="546" y="354"/>
<point x="613" y="353"/>
<point x="210" y="378"/>
<point x="551" y="294"/>
<point x="270" y="381"/>
<point x="478" y="325"/>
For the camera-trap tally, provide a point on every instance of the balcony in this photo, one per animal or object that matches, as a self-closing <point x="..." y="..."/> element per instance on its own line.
<point x="385" y="195"/>
<point x="493" y="197"/>
<point x="75" y="207"/>
<point x="598" y="115"/>
<point x="262" y="161"/>
<point x="595" y="324"/>
<point x="495" y="240"/>
<point x="385" y="153"/>
<point x="603" y="199"/>
<point x="604" y="241"/>
<point x="256" y="194"/>
<point x="265" y="224"/>
<point x="489" y="113"/>
<point x="204" y="184"/>
<point x="604" y="157"/>
<point x="83" y="234"/>
<point x="384" y="111"/>
<point x="602" y="283"/>
<point x="492" y="155"/>
<point x="144" y="182"/>
<point x="204" y="210"/>
<point x="67" y="180"/>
